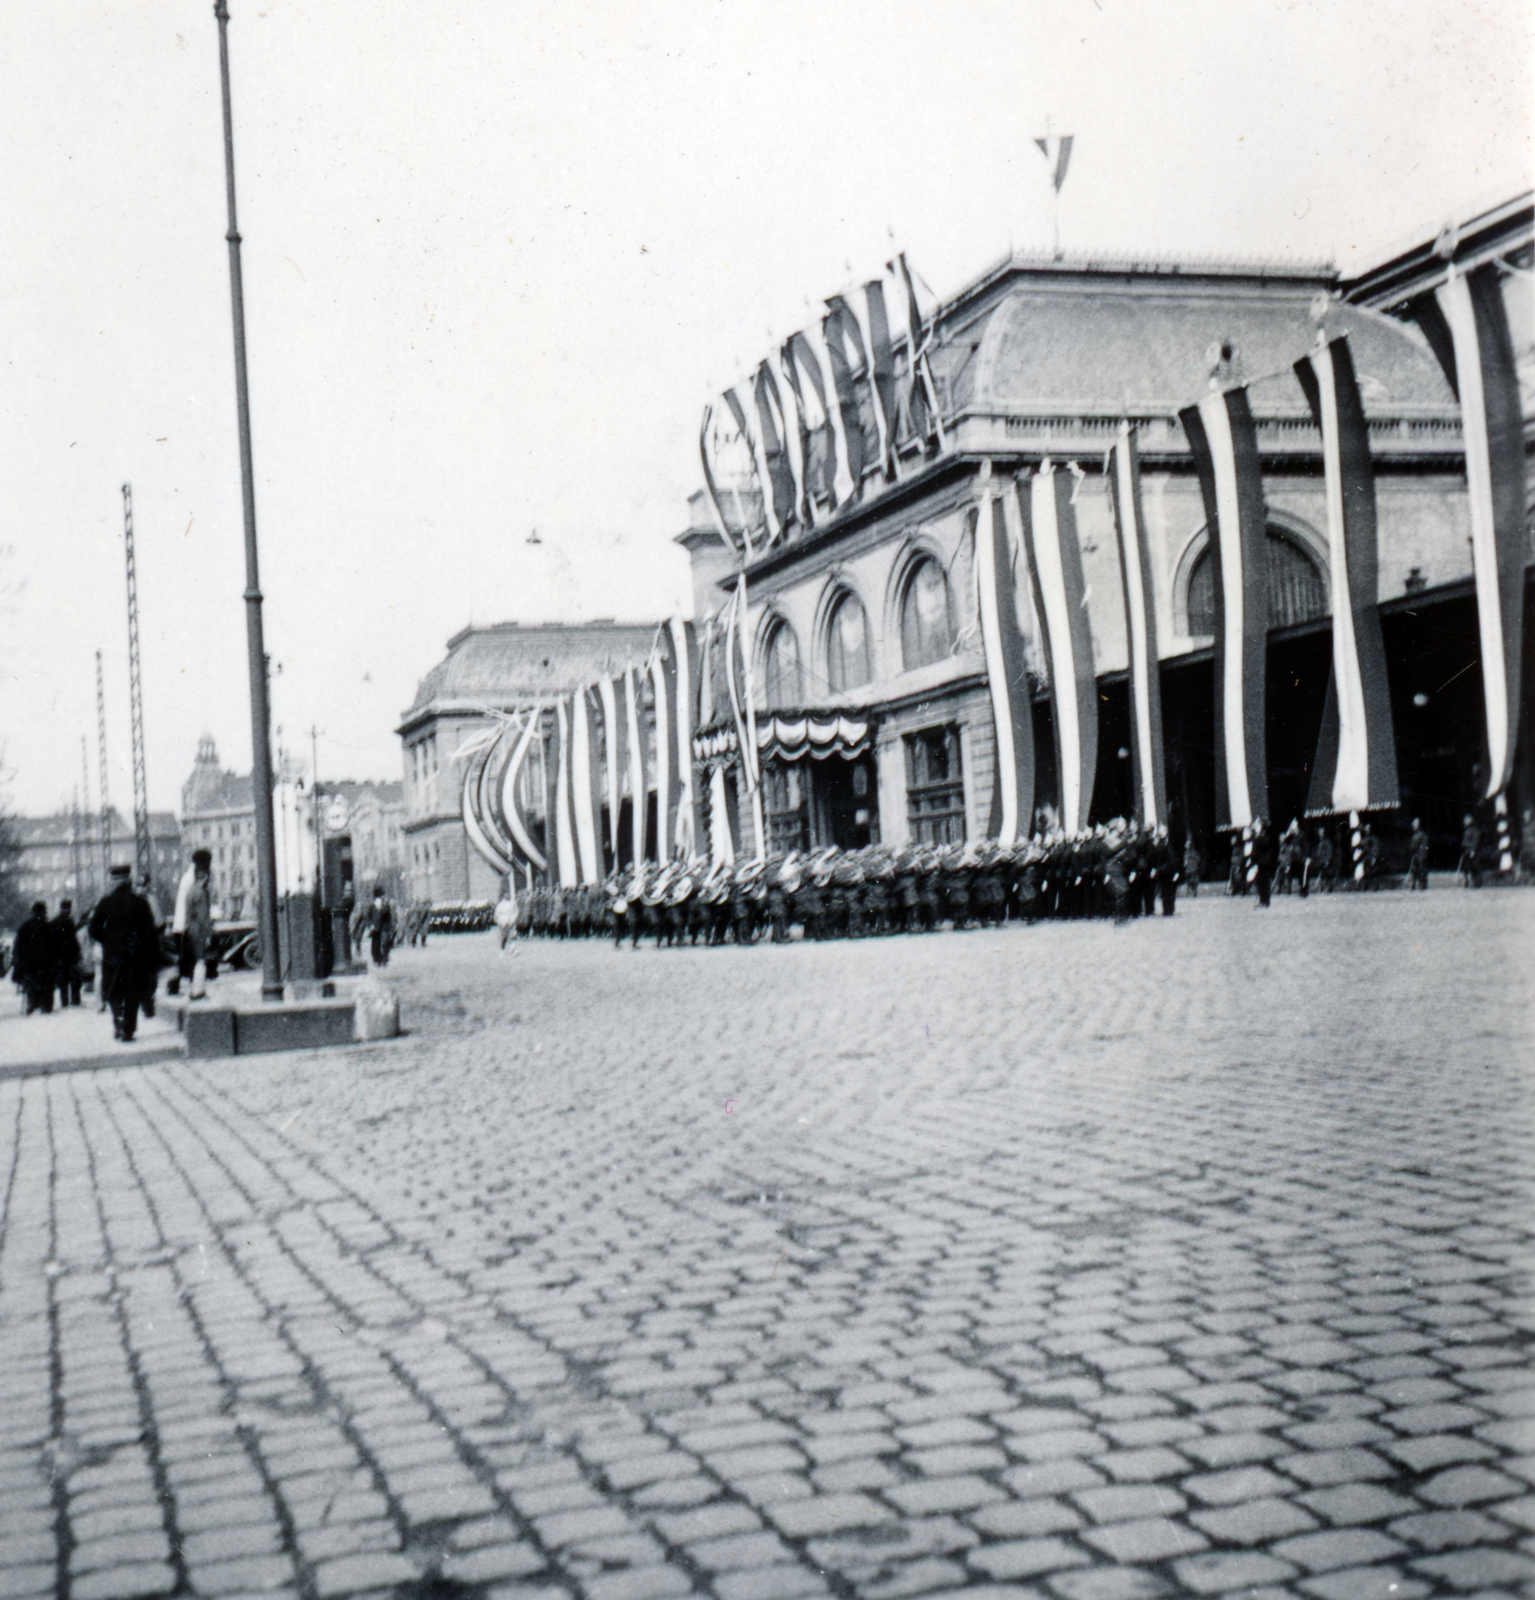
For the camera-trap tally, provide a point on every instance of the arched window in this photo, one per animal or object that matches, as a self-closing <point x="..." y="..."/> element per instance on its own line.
<point x="847" y="644"/>
<point x="780" y="669"/>
<point x="927" y="622"/>
<point x="1295" y="588"/>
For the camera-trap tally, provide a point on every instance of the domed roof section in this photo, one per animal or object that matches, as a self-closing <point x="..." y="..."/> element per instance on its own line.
<point x="1090" y="340"/>
<point x="513" y="663"/>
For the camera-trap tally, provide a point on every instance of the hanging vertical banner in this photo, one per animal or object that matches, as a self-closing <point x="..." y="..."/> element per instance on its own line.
<point x="1012" y="708"/>
<point x="722" y="850"/>
<point x="680" y="673"/>
<point x="1487" y="382"/>
<point x="1355" y="766"/>
<point x="1146" y="748"/>
<point x="661" y="771"/>
<point x="581" y="797"/>
<point x="636" y="767"/>
<point x="613" y="756"/>
<point x="779" y="485"/>
<point x="1055" y="569"/>
<point x="1224" y="440"/>
<point x="511" y="808"/>
<point x="489" y="791"/>
<point x="561" y="818"/>
<point x="473" y="817"/>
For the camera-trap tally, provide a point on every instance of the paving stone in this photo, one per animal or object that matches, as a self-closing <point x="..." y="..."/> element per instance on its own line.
<point x="1354" y="1503"/>
<point x="1447" y="1530"/>
<point x="1481" y="1569"/>
<point x="1140" y="1466"/>
<point x="963" y="1493"/>
<point x="769" y="1583"/>
<point x="639" y="1583"/>
<point x="1014" y="1519"/>
<point x="492" y="1562"/>
<point x="1253" y="1522"/>
<point x="1468" y="1486"/>
<point x="1026" y="1558"/>
<point x="1107" y="1583"/>
<point x="1129" y="1502"/>
<point x="1322" y="1467"/>
<point x="829" y="1514"/>
<point x="127" y="1581"/>
<point x="1339" y="1547"/>
<point x="1144" y="1542"/>
<point x="1230" y="1571"/>
<point x="1365" y="1583"/>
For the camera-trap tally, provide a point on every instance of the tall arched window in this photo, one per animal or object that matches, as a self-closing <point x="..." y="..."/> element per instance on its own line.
<point x="780" y="669"/>
<point x="1296" y="592"/>
<point x="847" y="644"/>
<point x="927" y="621"/>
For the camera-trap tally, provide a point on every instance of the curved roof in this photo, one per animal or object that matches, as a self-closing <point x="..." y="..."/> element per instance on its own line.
<point x="513" y="663"/>
<point x="1096" y="343"/>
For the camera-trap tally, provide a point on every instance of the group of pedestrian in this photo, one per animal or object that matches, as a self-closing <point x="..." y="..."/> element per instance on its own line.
<point x="46" y="960"/>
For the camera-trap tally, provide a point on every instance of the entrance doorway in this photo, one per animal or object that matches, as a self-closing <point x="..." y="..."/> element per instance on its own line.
<point x="844" y="806"/>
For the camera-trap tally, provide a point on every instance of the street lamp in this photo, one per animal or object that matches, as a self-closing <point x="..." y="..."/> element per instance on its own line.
<point x="261" y="753"/>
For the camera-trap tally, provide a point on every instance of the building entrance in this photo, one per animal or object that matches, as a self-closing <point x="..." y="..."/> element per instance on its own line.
<point x="844" y="808"/>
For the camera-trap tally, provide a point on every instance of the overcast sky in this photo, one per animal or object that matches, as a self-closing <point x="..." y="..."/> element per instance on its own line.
<point x="497" y="256"/>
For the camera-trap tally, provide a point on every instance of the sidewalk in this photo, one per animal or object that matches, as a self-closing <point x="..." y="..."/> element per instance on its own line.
<point x="77" y="1037"/>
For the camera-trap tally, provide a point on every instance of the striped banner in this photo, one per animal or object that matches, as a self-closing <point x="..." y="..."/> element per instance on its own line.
<point x="584" y="793"/>
<point x="681" y="670"/>
<point x="636" y="748"/>
<point x="1225" y="444"/>
<point x="664" y="750"/>
<point x="510" y="809"/>
<point x="561" y="818"/>
<point x="1060" y="595"/>
<point x="1148" y="755"/>
<point x="1487" y="382"/>
<point x="1012" y="709"/>
<point x="1355" y="766"/>
<point x="743" y="708"/>
<point x="472" y="809"/>
<point x="614" y="756"/>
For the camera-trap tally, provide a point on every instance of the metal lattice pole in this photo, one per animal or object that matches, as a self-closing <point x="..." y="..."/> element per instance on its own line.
<point x="82" y="812"/>
<point x="136" y="698"/>
<point x="101" y="773"/>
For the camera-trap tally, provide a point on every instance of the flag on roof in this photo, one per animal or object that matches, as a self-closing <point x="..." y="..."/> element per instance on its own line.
<point x="1356" y="754"/>
<point x="1148" y="756"/>
<point x="1055" y="570"/>
<point x="1224" y="440"/>
<point x="1056" y="149"/>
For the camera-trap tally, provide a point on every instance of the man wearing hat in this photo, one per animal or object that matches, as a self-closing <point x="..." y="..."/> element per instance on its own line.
<point x="124" y="926"/>
<point x="193" y="897"/>
<point x="33" y="960"/>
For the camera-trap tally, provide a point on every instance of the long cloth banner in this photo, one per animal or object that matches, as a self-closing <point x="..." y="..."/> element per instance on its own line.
<point x="1148" y="757"/>
<point x="1055" y="568"/>
<point x="1355" y="765"/>
<point x="1012" y="710"/>
<point x="1225" y="443"/>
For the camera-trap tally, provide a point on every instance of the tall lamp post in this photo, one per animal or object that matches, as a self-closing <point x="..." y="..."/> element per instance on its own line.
<point x="261" y="752"/>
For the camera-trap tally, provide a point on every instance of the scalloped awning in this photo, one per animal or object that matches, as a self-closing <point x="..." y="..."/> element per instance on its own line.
<point x="818" y="734"/>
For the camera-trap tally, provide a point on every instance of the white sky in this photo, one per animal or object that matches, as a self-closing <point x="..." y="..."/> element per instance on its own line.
<point x="497" y="256"/>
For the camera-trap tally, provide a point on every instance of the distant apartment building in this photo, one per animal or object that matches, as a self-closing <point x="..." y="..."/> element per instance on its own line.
<point x="61" y="857"/>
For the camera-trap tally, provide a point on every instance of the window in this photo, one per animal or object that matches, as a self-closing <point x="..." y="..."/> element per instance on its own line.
<point x="781" y="669"/>
<point x="927" y="623"/>
<point x="1295" y="589"/>
<point x="847" y="645"/>
<point x="935" y="787"/>
<point x="788" y="816"/>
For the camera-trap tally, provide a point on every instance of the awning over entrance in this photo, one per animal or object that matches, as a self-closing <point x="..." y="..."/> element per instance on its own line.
<point x="818" y="734"/>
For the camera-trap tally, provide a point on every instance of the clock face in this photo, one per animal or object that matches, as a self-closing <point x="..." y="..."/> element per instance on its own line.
<point x="336" y="816"/>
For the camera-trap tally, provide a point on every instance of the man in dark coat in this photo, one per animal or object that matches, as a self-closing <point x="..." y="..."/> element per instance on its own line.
<point x="123" y="924"/>
<point x="1265" y="858"/>
<point x="66" y="955"/>
<point x="32" y="960"/>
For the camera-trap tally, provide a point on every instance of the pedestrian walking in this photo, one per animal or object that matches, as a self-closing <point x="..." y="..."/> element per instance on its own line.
<point x="505" y="916"/>
<point x="1326" y="861"/>
<point x="379" y="921"/>
<point x="1193" y="863"/>
<point x="1470" y="865"/>
<point x="1417" y="858"/>
<point x="1265" y="856"/>
<point x="34" y="961"/>
<point x="196" y="939"/>
<point x="68" y="973"/>
<point x="123" y="924"/>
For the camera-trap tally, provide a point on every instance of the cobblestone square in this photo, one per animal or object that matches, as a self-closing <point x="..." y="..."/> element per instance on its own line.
<point x="1185" y="1258"/>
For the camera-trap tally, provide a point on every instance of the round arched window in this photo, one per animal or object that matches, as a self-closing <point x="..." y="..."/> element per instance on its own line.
<point x="780" y="669"/>
<point x="1296" y="592"/>
<point x="847" y="645"/>
<point x="927" y="623"/>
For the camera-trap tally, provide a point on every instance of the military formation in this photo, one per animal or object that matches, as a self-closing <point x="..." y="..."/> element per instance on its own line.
<point x="1115" y="872"/>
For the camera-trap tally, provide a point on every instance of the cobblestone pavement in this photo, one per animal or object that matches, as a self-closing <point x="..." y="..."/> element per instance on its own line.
<point x="1188" y="1258"/>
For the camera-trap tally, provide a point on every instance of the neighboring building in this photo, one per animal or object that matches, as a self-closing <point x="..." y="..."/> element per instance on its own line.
<point x="60" y="857"/>
<point x="872" y="615"/>
<point x="487" y="670"/>
<point x="218" y="814"/>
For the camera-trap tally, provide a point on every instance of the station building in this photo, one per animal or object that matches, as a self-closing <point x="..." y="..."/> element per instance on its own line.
<point x="864" y="630"/>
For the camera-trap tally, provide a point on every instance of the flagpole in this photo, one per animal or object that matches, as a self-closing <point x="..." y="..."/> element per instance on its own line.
<point x="261" y="751"/>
